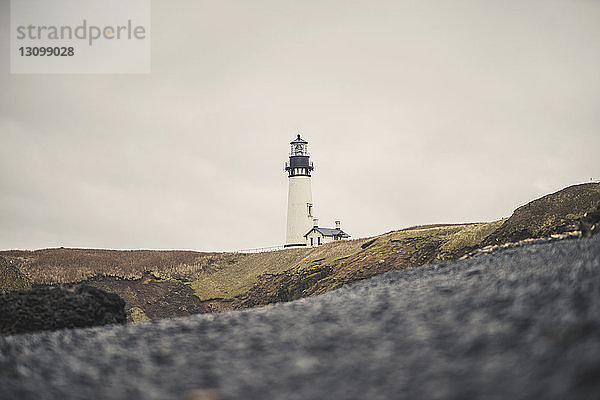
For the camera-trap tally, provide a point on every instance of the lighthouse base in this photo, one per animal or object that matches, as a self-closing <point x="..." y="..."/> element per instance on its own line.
<point x="295" y="245"/>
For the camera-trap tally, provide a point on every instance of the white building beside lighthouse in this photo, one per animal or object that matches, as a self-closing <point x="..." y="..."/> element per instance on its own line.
<point x="301" y="231"/>
<point x="318" y="236"/>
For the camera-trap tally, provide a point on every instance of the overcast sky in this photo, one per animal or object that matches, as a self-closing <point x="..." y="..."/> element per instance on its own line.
<point x="415" y="112"/>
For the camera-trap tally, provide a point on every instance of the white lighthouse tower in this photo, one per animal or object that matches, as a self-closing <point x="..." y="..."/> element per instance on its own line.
<point x="300" y="206"/>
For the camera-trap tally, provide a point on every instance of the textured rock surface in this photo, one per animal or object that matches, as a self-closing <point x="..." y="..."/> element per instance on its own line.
<point x="11" y="277"/>
<point x="48" y="308"/>
<point x="590" y="223"/>
<point x="518" y="323"/>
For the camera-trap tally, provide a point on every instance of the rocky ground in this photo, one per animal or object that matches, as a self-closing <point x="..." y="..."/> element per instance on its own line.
<point x="50" y="308"/>
<point x="11" y="278"/>
<point x="520" y="322"/>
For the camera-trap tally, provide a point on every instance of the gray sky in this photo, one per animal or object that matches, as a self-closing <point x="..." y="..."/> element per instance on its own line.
<point x="415" y="112"/>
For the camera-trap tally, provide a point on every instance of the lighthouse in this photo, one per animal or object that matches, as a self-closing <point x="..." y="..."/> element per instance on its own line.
<point x="300" y="206"/>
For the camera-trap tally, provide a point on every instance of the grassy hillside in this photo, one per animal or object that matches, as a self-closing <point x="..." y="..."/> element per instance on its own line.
<point x="158" y="284"/>
<point x="555" y="213"/>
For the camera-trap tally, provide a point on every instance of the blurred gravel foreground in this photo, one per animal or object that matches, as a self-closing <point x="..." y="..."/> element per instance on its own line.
<point x="522" y="322"/>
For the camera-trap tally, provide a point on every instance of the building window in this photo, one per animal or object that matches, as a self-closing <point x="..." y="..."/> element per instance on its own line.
<point x="309" y="206"/>
<point x="319" y="240"/>
<point x="311" y="242"/>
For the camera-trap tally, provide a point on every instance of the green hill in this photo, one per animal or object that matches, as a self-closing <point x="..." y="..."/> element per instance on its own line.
<point x="159" y="284"/>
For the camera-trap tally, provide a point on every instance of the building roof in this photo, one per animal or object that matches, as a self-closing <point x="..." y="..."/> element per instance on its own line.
<point x="328" y="232"/>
